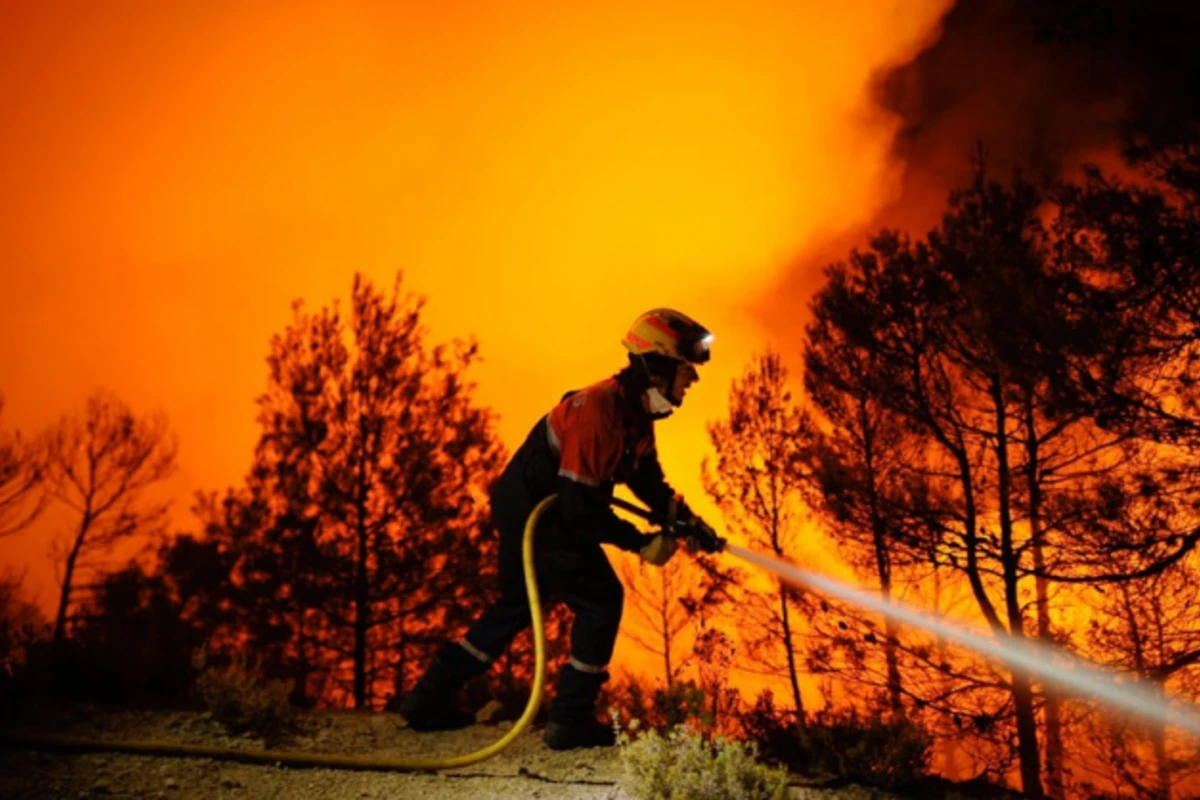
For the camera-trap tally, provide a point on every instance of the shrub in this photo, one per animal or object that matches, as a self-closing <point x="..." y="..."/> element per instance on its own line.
<point x="681" y="703"/>
<point x="661" y="708"/>
<point x="872" y="750"/>
<point x="683" y="764"/>
<point x="242" y="700"/>
<point x="776" y="732"/>
<point x="629" y="698"/>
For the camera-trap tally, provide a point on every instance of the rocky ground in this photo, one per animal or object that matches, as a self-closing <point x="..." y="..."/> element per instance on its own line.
<point x="526" y="769"/>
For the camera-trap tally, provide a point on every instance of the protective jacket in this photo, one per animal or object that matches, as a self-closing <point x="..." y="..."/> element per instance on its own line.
<point x="593" y="439"/>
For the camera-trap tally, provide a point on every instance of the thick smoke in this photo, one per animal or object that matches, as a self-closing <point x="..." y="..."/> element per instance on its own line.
<point x="989" y="82"/>
<point x="1045" y="87"/>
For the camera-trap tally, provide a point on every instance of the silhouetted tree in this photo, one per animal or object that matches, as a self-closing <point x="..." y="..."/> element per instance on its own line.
<point x="1020" y="360"/>
<point x="1137" y="244"/>
<point x="755" y="481"/>
<point x="659" y="620"/>
<point x="197" y="572"/>
<point x="861" y="457"/>
<point x="132" y="643"/>
<point x="21" y="624"/>
<point x="971" y="343"/>
<point x="716" y="654"/>
<point x="21" y="473"/>
<point x="275" y="585"/>
<point x="1151" y="629"/>
<point x="368" y="487"/>
<point x="99" y="465"/>
<point x="879" y="305"/>
<point x="667" y="604"/>
<point x="1135" y="247"/>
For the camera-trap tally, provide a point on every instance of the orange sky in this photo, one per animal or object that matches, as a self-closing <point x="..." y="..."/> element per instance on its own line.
<point x="175" y="174"/>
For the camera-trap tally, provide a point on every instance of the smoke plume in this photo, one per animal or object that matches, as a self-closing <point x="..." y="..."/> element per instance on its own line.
<point x="1044" y="87"/>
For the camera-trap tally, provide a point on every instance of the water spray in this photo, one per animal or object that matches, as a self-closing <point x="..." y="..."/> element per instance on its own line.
<point x="1052" y="665"/>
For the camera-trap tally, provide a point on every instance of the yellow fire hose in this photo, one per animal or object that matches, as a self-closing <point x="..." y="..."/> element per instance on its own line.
<point x="281" y="758"/>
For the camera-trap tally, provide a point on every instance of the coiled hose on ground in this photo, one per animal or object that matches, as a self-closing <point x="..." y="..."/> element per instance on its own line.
<point x="293" y="758"/>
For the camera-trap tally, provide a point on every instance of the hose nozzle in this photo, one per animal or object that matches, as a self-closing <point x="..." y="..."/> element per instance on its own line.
<point x="701" y="536"/>
<point x="679" y="523"/>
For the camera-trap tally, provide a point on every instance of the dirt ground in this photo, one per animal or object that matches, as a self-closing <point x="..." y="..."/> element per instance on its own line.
<point x="526" y="769"/>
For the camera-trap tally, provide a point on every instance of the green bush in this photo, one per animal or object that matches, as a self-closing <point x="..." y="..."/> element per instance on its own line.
<point x="683" y="764"/>
<point x="242" y="700"/>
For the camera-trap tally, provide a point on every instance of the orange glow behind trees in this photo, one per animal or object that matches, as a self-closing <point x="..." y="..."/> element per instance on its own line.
<point x="175" y="178"/>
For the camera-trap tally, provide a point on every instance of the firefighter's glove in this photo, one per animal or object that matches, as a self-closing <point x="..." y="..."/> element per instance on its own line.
<point x="658" y="549"/>
<point x="701" y="536"/>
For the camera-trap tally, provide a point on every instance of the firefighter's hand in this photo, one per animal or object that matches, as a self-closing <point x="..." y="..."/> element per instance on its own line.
<point x="701" y="536"/>
<point x="658" y="549"/>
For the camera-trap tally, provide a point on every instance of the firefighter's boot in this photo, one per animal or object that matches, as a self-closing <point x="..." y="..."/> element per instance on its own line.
<point x="572" y="718"/>
<point x="433" y="703"/>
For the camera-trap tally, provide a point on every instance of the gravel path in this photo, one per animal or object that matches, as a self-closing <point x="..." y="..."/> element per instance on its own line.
<point x="526" y="769"/>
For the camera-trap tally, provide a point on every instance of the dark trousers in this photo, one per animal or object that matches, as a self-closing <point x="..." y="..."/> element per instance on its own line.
<point x="568" y="570"/>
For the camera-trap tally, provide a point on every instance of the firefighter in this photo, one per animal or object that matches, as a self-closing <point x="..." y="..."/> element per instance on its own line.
<point x="593" y="439"/>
